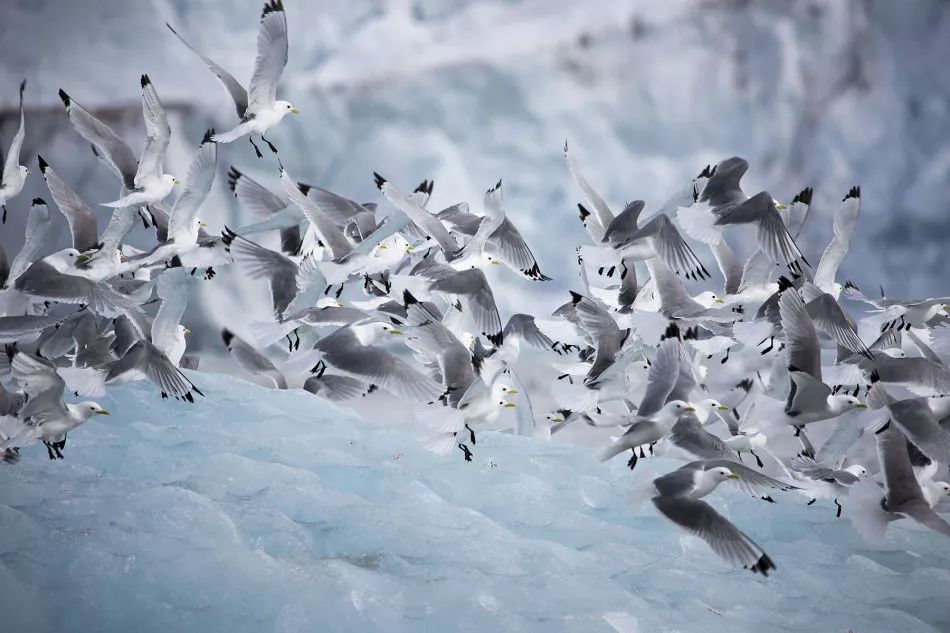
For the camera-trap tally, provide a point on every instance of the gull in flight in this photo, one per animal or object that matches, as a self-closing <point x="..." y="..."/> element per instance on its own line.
<point x="258" y="106"/>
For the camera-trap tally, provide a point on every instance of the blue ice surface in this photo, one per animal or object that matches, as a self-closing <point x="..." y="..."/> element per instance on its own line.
<point x="256" y="510"/>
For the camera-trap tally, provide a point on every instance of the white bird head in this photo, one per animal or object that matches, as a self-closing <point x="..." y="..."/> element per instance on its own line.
<point x="170" y="181"/>
<point x="857" y="470"/>
<point x="85" y="410"/>
<point x="369" y="333"/>
<point x="711" y="404"/>
<point x="721" y="473"/>
<point x="503" y="390"/>
<point x="23" y="171"/>
<point x="708" y="299"/>
<point x="283" y="108"/>
<point x="942" y="487"/>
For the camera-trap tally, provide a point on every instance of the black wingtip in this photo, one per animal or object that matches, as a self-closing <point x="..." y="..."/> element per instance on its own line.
<point x="496" y="339"/>
<point x="272" y="7"/>
<point x="854" y="192"/>
<point x="43" y="164"/>
<point x="784" y="283"/>
<point x="22" y="89"/>
<point x="304" y="187"/>
<point x="38" y="201"/>
<point x="175" y="262"/>
<point x="64" y="97"/>
<point x="707" y="172"/>
<point x="408" y="299"/>
<point x="226" y="336"/>
<point x="763" y="566"/>
<point x="233" y="176"/>
<point x="583" y="210"/>
<point x="804" y="196"/>
<point x="145" y="80"/>
<point x="379" y="180"/>
<point x="875" y="377"/>
<point x="207" y="137"/>
<point x="575" y="297"/>
<point x="792" y="368"/>
<point x="425" y="187"/>
<point x="672" y="331"/>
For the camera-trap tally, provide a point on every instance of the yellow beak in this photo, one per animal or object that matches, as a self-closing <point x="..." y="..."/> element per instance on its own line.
<point x="860" y="405"/>
<point x="203" y="225"/>
<point x="781" y="207"/>
<point x="294" y="111"/>
<point x="177" y="181"/>
<point x="410" y="249"/>
<point x="395" y="331"/>
<point x="733" y="476"/>
<point x="104" y="412"/>
<point x="719" y="301"/>
<point x="82" y="257"/>
<point x="723" y="407"/>
<point x="383" y="247"/>
<point x="187" y="331"/>
<point x="495" y="262"/>
<point x="28" y="172"/>
<point x="556" y="420"/>
<point x="690" y="409"/>
<point x="512" y="392"/>
<point x="510" y="405"/>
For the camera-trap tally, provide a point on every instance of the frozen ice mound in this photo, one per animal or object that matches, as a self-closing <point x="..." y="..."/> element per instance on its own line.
<point x="258" y="510"/>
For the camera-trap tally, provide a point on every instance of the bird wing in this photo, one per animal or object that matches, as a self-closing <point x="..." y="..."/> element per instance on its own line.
<point x="899" y="480"/>
<point x="82" y="222"/>
<point x="147" y="359"/>
<point x="329" y="233"/>
<point x="174" y="287"/>
<point x="108" y="145"/>
<point x="157" y="135"/>
<point x="806" y="393"/>
<point x="915" y="420"/>
<point x="12" y="161"/>
<point x="260" y="200"/>
<point x="845" y="222"/>
<point x="672" y="249"/>
<point x="507" y="244"/>
<point x="801" y="339"/>
<point x="661" y="378"/>
<point x="700" y="519"/>
<point x="252" y="360"/>
<point x="472" y="287"/>
<point x="262" y="263"/>
<point x="234" y="88"/>
<point x="43" y="281"/>
<point x="377" y="365"/>
<point x="271" y="57"/>
<point x="523" y="325"/>
<point x="197" y="184"/>
<point x="604" y="215"/>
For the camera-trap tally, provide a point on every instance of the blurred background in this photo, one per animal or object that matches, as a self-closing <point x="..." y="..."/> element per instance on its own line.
<point x="815" y="93"/>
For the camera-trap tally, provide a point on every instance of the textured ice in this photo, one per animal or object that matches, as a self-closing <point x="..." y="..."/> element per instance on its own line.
<point x="258" y="510"/>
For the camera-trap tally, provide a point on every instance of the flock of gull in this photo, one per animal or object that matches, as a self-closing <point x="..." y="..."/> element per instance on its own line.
<point x="808" y="399"/>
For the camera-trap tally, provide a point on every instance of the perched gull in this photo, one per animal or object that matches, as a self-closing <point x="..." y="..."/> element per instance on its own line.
<point x="14" y="174"/>
<point x="258" y="106"/>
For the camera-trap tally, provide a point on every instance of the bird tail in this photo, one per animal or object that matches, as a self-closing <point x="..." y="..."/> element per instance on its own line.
<point x="127" y="200"/>
<point x="613" y="450"/>
<point x="232" y="134"/>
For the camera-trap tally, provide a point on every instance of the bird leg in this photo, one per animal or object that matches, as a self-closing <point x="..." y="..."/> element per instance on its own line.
<point x="290" y="344"/>
<point x="632" y="463"/>
<point x="269" y="144"/>
<point x="466" y="452"/>
<point x="811" y="502"/>
<point x="642" y="454"/>
<point x="209" y="273"/>
<point x="838" y="513"/>
<point x="297" y="342"/>
<point x="770" y="347"/>
<point x="49" y="450"/>
<point x="725" y="358"/>
<point x="651" y="447"/>
<point x="757" y="459"/>
<point x="256" y="150"/>
<point x="4" y="215"/>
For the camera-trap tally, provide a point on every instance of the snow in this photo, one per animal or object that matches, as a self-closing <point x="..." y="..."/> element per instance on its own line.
<point x="257" y="510"/>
